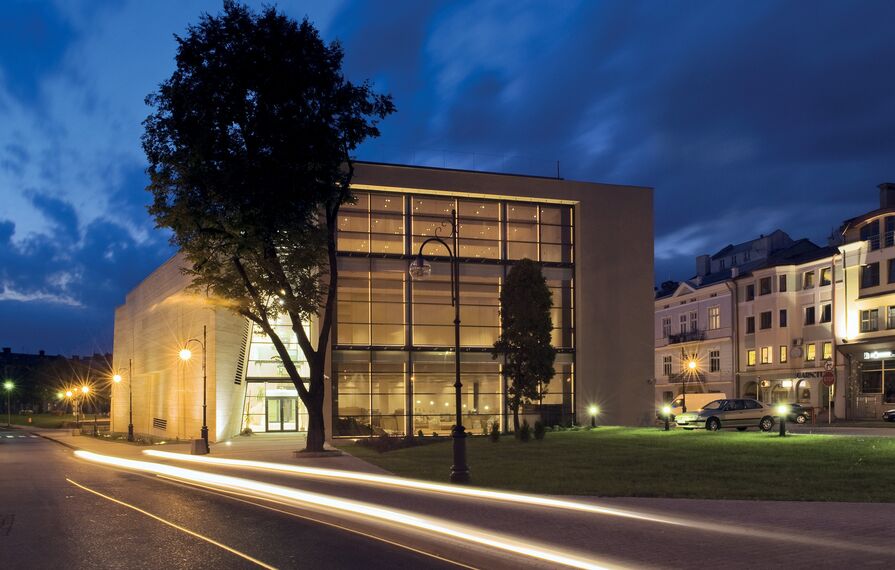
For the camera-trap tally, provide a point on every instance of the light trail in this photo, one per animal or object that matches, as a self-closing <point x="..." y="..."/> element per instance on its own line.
<point x="176" y="526"/>
<point x="305" y="499"/>
<point x="416" y="484"/>
<point x="390" y="481"/>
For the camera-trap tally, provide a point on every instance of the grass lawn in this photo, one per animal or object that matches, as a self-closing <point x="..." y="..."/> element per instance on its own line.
<point x="647" y="462"/>
<point x="47" y="421"/>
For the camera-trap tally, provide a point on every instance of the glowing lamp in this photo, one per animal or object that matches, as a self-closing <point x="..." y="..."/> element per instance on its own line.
<point x="85" y="389"/>
<point x="691" y="365"/>
<point x="68" y="394"/>
<point x="186" y="354"/>
<point x="593" y="410"/>
<point x="783" y="409"/>
<point x="666" y="410"/>
<point x="116" y="378"/>
<point x="8" y="385"/>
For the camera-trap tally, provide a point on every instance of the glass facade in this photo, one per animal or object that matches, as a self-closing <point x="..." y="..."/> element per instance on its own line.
<point x="392" y="360"/>
<point x="271" y="400"/>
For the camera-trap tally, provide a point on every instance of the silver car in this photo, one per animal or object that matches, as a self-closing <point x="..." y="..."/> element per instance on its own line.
<point x="739" y="413"/>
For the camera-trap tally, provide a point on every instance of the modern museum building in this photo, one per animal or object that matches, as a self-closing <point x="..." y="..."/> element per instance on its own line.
<point x="390" y="368"/>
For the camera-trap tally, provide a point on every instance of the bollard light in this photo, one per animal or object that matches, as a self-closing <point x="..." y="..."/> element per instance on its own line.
<point x="593" y="411"/>
<point x="666" y="411"/>
<point x="783" y="411"/>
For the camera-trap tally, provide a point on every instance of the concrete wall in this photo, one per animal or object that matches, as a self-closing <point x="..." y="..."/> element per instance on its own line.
<point x="613" y="275"/>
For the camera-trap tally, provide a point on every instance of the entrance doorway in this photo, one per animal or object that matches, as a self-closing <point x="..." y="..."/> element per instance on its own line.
<point x="282" y="414"/>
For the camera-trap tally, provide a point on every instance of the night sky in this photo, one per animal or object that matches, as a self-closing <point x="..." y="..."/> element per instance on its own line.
<point x="745" y="117"/>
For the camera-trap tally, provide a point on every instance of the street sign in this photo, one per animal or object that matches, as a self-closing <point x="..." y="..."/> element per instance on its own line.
<point x="828" y="365"/>
<point x="829" y="378"/>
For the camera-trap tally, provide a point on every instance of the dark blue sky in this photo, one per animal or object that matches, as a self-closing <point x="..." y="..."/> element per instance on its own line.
<point x="745" y="116"/>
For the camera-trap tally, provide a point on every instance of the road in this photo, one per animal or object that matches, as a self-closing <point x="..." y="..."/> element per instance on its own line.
<point x="47" y="522"/>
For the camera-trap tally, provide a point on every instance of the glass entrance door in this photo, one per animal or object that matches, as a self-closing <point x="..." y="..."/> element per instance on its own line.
<point x="282" y="414"/>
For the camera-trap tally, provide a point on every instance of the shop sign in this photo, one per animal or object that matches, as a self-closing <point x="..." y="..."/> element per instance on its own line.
<point x="878" y="354"/>
<point x="809" y="374"/>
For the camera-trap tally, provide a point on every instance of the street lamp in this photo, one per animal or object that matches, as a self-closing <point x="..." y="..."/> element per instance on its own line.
<point x="666" y="411"/>
<point x="593" y="411"/>
<point x="185" y="355"/>
<point x="130" y="397"/>
<point x="691" y="369"/>
<point x="8" y="386"/>
<point x="420" y="269"/>
<point x="783" y="411"/>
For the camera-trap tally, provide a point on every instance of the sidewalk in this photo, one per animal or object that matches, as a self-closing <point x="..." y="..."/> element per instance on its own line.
<point x="276" y="448"/>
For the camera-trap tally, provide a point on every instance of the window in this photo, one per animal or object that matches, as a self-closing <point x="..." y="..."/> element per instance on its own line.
<point x="869" y="320"/>
<point x="809" y="315"/>
<point x="890" y="317"/>
<point x="715" y="361"/>
<point x="714" y="318"/>
<point x="890" y="231"/>
<point x="810" y="352"/>
<point x="892" y="271"/>
<point x="826" y="276"/>
<point x="764" y="286"/>
<point x="766" y="355"/>
<point x="693" y="321"/>
<point x="784" y="353"/>
<point x="765" y="321"/>
<point x="827" y="351"/>
<point x="750" y="357"/>
<point x="826" y="313"/>
<point x="870" y="233"/>
<point x="870" y="275"/>
<point x="878" y="377"/>
<point x="750" y="325"/>
<point x="750" y="291"/>
<point x="808" y="280"/>
<point x="666" y="365"/>
<point x="782" y="317"/>
<point x="666" y="327"/>
<point x="782" y="284"/>
<point x="683" y="323"/>
<point x="721" y="264"/>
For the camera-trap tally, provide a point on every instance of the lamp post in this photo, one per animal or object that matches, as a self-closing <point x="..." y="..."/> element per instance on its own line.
<point x="593" y="411"/>
<point x="420" y="269"/>
<point x="8" y="386"/>
<point x="186" y="354"/>
<point x="691" y="369"/>
<point x="783" y="411"/>
<point x="130" y="397"/>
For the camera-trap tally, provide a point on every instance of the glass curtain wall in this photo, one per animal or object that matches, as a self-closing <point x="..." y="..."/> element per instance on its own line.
<point x="271" y="400"/>
<point x="393" y="360"/>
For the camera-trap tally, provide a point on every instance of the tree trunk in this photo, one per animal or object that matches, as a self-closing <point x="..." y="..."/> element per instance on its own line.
<point x="516" y="421"/>
<point x="316" y="429"/>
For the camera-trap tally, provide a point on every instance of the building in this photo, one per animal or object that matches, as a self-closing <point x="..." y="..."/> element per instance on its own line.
<point x="391" y="361"/>
<point x="38" y="378"/>
<point x="785" y="308"/>
<point x="865" y="322"/>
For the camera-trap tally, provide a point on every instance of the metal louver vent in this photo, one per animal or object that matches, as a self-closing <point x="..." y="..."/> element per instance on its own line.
<point x="241" y="359"/>
<point x="159" y="423"/>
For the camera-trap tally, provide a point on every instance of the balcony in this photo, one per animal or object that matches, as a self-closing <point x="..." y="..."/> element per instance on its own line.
<point x="688" y="336"/>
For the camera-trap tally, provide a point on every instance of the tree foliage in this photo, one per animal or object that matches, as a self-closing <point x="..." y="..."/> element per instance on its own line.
<point x="250" y="157"/>
<point x="525" y="343"/>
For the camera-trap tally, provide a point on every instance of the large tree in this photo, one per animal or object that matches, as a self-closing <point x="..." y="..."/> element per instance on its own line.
<point x="250" y="147"/>
<point x="525" y="343"/>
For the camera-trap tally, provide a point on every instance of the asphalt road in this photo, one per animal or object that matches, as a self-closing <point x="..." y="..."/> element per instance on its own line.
<point x="46" y="521"/>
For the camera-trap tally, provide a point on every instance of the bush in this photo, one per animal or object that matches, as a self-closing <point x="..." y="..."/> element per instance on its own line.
<point x="246" y="431"/>
<point x="495" y="432"/>
<point x="525" y="431"/>
<point x="420" y="434"/>
<point x="540" y="430"/>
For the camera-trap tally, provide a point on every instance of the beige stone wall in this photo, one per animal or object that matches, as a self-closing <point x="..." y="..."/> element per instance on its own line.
<point x="613" y="278"/>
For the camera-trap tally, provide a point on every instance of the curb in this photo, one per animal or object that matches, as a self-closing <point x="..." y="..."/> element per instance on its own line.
<point x="62" y="443"/>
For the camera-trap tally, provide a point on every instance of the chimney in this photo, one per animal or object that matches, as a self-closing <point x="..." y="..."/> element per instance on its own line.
<point x="6" y="350"/>
<point x="887" y="195"/>
<point x="41" y="353"/>
<point x="698" y="280"/>
<point x="703" y="265"/>
<point x="734" y="272"/>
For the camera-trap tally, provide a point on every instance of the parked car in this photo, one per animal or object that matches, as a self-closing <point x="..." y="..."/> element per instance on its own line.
<point x="889" y="415"/>
<point x="800" y="414"/>
<point x="739" y="413"/>
<point x="695" y="402"/>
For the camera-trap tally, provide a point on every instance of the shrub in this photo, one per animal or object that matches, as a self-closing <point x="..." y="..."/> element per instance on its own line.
<point x="420" y="434"/>
<point x="540" y="430"/>
<point x="495" y="432"/>
<point x="525" y="431"/>
<point x="246" y="431"/>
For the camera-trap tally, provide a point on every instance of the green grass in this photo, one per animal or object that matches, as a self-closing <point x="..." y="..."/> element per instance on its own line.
<point x="647" y="462"/>
<point x="46" y="421"/>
